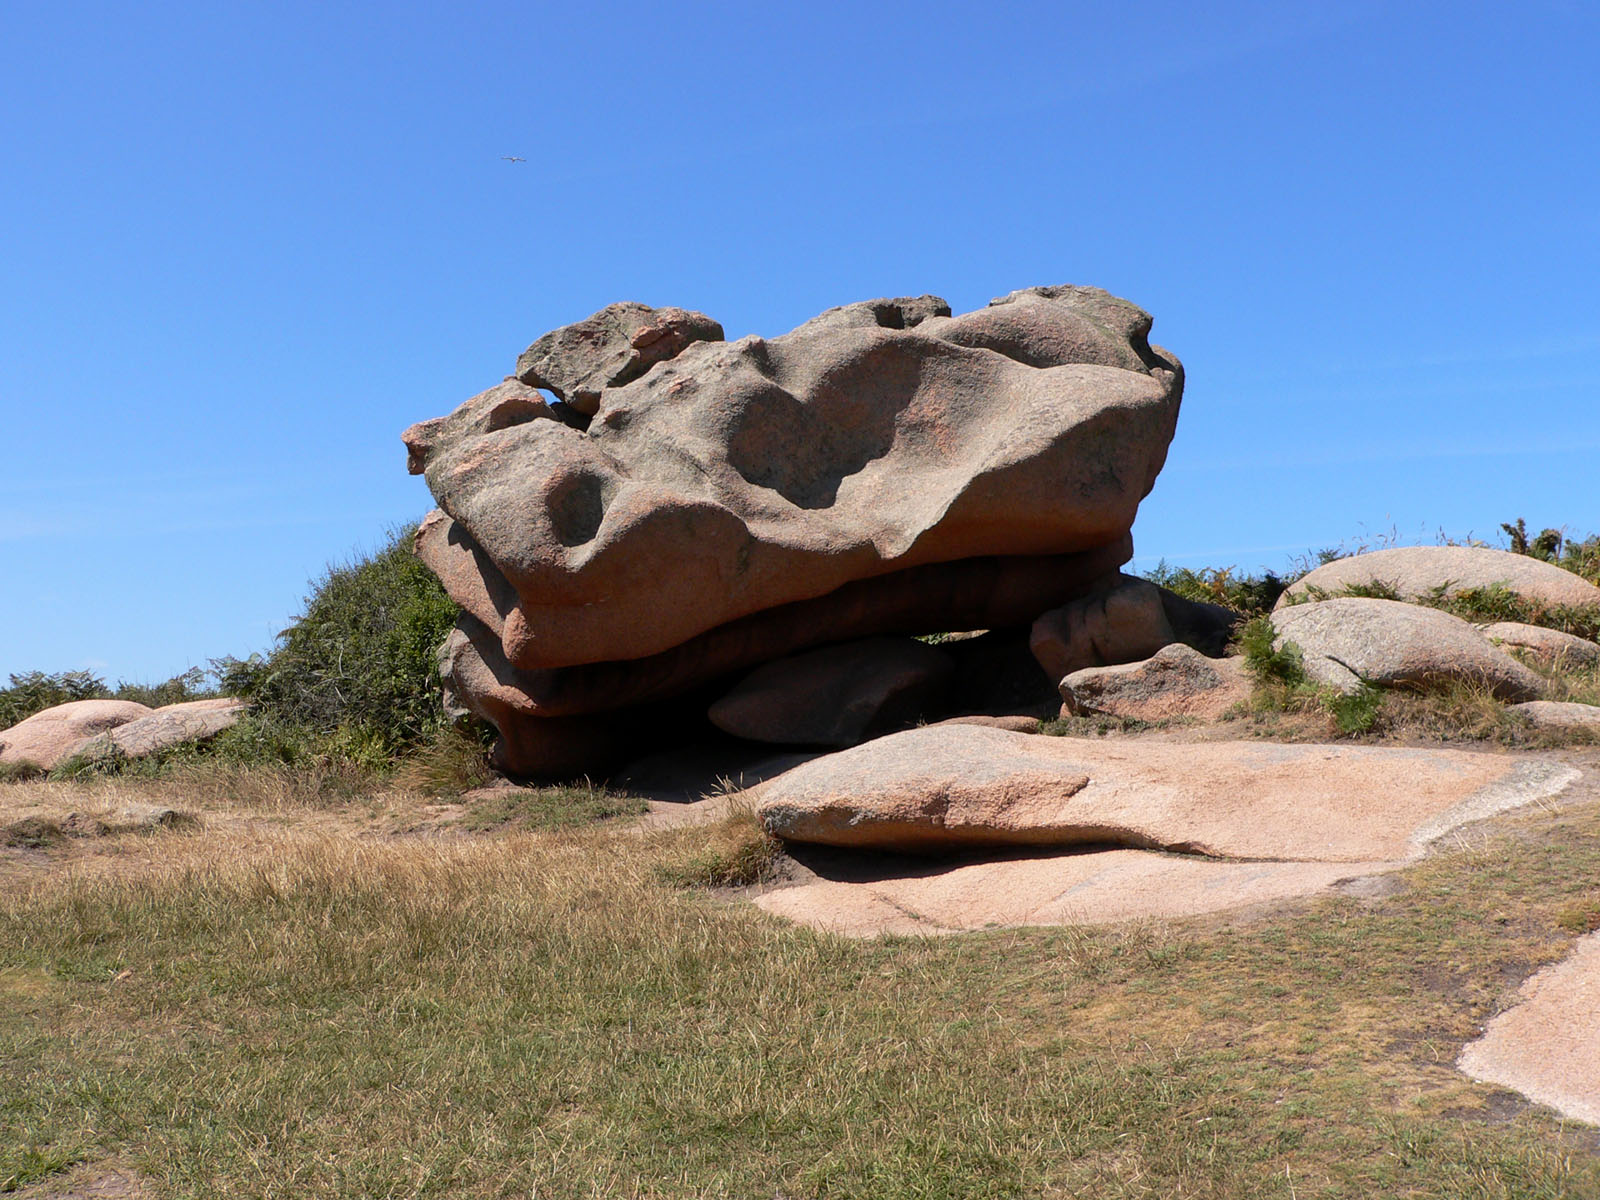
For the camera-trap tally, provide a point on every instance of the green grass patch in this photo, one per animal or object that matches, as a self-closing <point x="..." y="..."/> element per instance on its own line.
<point x="559" y="807"/>
<point x="737" y="852"/>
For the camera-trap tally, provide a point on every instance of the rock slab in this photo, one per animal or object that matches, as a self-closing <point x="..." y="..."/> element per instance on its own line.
<point x="49" y="737"/>
<point x="165" y="728"/>
<point x="1550" y="647"/>
<point x="1548" y="1046"/>
<point x="954" y="787"/>
<point x="1174" y="682"/>
<point x="1416" y="571"/>
<point x="1100" y="888"/>
<point x="1559" y="714"/>
<point x="837" y="695"/>
<point x="1393" y="644"/>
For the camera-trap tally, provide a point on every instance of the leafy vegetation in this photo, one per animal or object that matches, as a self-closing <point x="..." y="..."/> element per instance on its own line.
<point x="559" y="807"/>
<point x="1244" y="593"/>
<point x="34" y="691"/>
<point x="355" y="674"/>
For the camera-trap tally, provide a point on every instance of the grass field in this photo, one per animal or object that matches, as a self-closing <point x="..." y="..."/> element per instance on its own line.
<point x="372" y="999"/>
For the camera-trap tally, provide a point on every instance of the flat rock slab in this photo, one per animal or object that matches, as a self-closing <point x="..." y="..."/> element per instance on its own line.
<point x="1415" y="571"/>
<point x="1548" y="646"/>
<point x="959" y="787"/>
<point x="1393" y="644"/>
<point x="1065" y="889"/>
<point x="1560" y="714"/>
<point x="1548" y="1046"/>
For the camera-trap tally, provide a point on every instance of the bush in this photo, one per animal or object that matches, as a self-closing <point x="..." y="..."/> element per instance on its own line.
<point x="34" y="691"/>
<point x="1251" y="595"/>
<point x="356" y="674"/>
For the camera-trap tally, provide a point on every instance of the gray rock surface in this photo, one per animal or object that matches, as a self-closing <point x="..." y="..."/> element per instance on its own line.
<point x="949" y="787"/>
<point x="1415" y="571"/>
<point x="837" y="695"/>
<point x="1393" y="644"/>
<point x="1548" y="646"/>
<point x="1174" y="682"/>
<point x="1559" y="714"/>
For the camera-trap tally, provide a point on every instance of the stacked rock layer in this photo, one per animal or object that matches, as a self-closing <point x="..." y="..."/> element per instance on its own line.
<point x="646" y="510"/>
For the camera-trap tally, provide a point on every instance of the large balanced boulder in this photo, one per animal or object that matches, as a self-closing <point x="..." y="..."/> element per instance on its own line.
<point x="884" y="468"/>
<point x="48" y="737"/>
<point x="1420" y="572"/>
<point x="952" y="787"/>
<point x="1176" y="681"/>
<point x="1388" y="643"/>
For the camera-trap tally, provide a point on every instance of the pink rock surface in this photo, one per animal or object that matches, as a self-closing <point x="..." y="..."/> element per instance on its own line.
<point x="48" y="737"/>
<point x="1068" y="889"/>
<point x="737" y="477"/>
<point x="1548" y="1046"/>
<point x="947" y="787"/>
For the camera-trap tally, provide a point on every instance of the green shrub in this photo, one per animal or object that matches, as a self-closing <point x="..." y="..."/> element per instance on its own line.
<point x="1268" y="663"/>
<point x="35" y="691"/>
<point x="355" y="675"/>
<point x="1357" y="711"/>
<point x="1248" y="594"/>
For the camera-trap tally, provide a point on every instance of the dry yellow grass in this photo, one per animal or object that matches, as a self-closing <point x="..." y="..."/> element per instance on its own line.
<point x="300" y="1003"/>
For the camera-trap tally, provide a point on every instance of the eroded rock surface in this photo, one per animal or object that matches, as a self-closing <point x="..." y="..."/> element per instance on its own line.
<point x="1128" y="621"/>
<point x="53" y="735"/>
<point x="950" y="787"/>
<point x="1389" y="643"/>
<point x="1414" y="572"/>
<point x="1176" y="681"/>
<point x="884" y="468"/>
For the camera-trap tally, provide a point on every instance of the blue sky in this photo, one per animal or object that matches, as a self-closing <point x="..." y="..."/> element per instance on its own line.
<point x="244" y="245"/>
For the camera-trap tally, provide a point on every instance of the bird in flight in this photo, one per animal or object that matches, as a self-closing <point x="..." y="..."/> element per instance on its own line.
<point x="511" y="158"/>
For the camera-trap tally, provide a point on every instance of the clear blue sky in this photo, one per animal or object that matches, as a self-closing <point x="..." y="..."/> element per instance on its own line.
<point x="243" y="245"/>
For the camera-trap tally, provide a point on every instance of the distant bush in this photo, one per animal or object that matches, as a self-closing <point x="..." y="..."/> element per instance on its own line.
<point x="1581" y="557"/>
<point x="34" y="691"/>
<point x="355" y="675"/>
<point x="1251" y="595"/>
